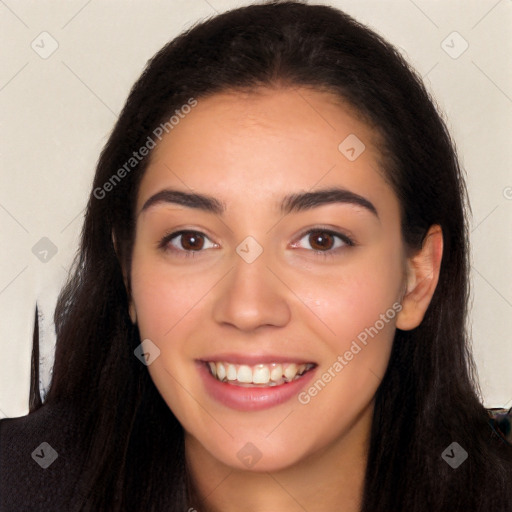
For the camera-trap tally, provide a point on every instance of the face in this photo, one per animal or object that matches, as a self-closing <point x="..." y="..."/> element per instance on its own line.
<point x="284" y="280"/>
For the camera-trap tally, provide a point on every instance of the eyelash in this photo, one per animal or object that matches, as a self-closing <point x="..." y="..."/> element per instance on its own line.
<point x="347" y="242"/>
<point x="329" y="253"/>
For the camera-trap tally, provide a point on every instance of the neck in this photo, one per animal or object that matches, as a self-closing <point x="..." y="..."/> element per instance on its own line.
<point x="332" y="478"/>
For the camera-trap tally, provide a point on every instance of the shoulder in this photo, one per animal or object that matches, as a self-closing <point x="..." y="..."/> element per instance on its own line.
<point x="39" y="463"/>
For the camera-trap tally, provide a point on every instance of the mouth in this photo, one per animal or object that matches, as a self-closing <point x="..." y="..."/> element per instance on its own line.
<point x="251" y="382"/>
<point x="260" y="375"/>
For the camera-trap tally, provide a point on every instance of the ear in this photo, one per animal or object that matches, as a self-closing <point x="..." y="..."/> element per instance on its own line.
<point x="131" y="307"/>
<point x="422" y="278"/>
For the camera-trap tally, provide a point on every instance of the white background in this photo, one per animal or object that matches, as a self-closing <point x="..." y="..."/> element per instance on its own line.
<point x="56" y="114"/>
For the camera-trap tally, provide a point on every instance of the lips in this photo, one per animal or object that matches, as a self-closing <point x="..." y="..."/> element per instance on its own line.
<point x="252" y="383"/>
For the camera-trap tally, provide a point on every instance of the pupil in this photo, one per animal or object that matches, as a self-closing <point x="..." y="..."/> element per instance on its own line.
<point x="324" y="240"/>
<point x="190" y="241"/>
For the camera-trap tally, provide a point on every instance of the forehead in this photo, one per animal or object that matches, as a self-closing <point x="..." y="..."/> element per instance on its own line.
<point x="264" y="144"/>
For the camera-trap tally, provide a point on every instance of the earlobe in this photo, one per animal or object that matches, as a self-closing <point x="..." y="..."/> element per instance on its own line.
<point x="422" y="277"/>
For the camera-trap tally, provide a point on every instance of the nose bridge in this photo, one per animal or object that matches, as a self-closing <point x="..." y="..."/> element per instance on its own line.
<point x="251" y="264"/>
<point x="251" y="295"/>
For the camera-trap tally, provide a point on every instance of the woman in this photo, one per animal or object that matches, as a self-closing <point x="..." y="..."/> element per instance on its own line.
<point x="268" y="309"/>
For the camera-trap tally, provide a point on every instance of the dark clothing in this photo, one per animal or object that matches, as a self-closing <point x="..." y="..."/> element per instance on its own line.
<point x="39" y="463"/>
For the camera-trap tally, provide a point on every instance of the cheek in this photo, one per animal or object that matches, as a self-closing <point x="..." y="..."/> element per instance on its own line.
<point x="164" y="296"/>
<point x="167" y="304"/>
<point x="359" y="305"/>
<point x="361" y="322"/>
<point x="358" y="296"/>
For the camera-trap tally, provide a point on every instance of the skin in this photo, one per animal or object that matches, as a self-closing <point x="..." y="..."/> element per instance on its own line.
<point x="249" y="150"/>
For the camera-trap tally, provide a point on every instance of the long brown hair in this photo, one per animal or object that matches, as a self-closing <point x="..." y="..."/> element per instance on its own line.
<point x="427" y="398"/>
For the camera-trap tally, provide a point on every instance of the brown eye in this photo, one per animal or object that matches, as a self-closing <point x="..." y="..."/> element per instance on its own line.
<point x="324" y="242"/>
<point x="321" y="240"/>
<point x="191" y="241"/>
<point x="186" y="243"/>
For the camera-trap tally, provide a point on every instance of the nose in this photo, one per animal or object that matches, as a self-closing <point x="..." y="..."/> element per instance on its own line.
<point x="252" y="296"/>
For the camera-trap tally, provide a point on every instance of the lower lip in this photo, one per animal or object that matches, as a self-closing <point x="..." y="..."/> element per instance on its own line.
<point x="251" y="399"/>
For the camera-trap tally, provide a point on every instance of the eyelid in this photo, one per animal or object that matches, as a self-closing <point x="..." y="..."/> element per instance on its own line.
<point x="347" y="240"/>
<point x="167" y="238"/>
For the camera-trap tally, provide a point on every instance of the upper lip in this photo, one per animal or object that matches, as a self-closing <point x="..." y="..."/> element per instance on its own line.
<point x="253" y="359"/>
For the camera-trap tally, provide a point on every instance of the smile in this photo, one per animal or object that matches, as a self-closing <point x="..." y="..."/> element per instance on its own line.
<point x="258" y="375"/>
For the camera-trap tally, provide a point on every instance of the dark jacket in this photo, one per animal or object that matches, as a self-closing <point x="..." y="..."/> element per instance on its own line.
<point x="41" y="465"/>
<point x="39" y="462"/>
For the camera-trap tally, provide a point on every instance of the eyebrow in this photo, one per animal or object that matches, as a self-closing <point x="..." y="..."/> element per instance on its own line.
<point x="291" y="203"/>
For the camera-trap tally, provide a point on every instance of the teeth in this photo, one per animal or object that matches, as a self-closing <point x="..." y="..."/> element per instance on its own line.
<point x="221" y="371"/>
<point x="231" y="372"/>
<point x="276" y="373"/>
<point x="272" y="374"/>
<point x="291" y="371"/>
<point x="244" y="374"/>
<point x="261" y="374"/>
